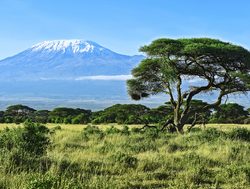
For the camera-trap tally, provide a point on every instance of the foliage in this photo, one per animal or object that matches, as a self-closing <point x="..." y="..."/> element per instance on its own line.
<point x="34" y="138"/>
<point x="223" y="67"/>
<point x="25" y="149"/>
<point x="41" y="116"/>
<point x="229" y="113"/>
<point x="18" y="113"/>
<point x="69" y="115"/>
<point x="126" y="114"/>
<point x="121" y="113"/>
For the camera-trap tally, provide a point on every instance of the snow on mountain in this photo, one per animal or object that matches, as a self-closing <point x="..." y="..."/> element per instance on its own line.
<point x="66" y="59"/>
<point x="74" y="46"/>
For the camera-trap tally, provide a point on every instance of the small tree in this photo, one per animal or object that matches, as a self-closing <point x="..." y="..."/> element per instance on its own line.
<point x="224" y="68"/>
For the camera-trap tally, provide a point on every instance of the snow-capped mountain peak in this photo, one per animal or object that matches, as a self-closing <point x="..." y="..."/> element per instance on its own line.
<point x="76" y="46"/>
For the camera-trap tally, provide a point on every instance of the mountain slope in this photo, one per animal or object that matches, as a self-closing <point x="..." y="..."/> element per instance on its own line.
<point x="66" y="59"/>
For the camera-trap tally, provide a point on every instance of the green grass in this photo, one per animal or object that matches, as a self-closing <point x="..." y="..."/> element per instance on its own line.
<point x="200" y="159"/>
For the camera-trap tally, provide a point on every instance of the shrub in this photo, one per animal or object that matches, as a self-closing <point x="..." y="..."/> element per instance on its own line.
<point x="10" y="138"/>
<point x="34" y="138"/>
<point x="92" y="130"/>
<point x="112" y="130"/>
<point x="125" y="130"/>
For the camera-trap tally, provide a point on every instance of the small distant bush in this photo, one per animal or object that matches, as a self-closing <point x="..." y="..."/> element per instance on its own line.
<point x="112" y="130"/>
<point x="125" y="130"/>
<point x="92" y="130"/>
<point x="240" y="134"/>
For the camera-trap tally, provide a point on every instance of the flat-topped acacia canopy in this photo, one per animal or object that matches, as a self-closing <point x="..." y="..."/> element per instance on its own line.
<point x="224" y="66"/>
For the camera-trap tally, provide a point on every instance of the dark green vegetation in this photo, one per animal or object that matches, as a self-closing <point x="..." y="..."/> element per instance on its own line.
<point x="76" y="157"/>
<point x="223" y="67"/>
<point x="125" y="114"/>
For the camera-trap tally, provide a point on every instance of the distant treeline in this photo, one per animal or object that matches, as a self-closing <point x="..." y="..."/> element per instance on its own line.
<point x="124" y="114"/>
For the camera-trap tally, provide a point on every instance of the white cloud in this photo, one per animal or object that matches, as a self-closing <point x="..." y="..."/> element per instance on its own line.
<point x="105" y="77"/>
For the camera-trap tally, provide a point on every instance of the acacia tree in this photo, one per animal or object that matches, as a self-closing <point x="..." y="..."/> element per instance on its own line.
<point x="224" y="67"/>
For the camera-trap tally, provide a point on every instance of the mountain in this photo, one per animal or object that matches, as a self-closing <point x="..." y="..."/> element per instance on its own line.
<point x="66" y="59"/>
<point x="73" y="73"/>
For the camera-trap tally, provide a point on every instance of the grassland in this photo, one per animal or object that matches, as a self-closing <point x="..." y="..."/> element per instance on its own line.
<point x="111" y="158"/>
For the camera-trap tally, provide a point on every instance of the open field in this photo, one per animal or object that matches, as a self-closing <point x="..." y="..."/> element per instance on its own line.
<point x="111" y="158"/>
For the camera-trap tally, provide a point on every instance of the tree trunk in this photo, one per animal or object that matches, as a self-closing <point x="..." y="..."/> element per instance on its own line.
<point x="177" y="121"/>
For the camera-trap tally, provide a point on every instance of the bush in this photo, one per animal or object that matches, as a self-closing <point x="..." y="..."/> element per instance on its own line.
<point x="125" y="130"/>
<point x="240" y="134"/>
<point x="10" y="138"/>
<point x="34" y="138"/>
<point x="92" y="130"/>
<point x="112" y="130"/>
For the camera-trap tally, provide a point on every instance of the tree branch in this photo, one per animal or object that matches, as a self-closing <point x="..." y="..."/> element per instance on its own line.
<point x="172" y="101"/>
<point x="180" y="99"/>
<point x="193" y="123"/>
<point x="192" y="94"/>
<point x="168" y="122"/>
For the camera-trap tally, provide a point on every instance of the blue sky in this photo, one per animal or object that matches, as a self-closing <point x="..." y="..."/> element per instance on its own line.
<point x="121" y="25"/>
